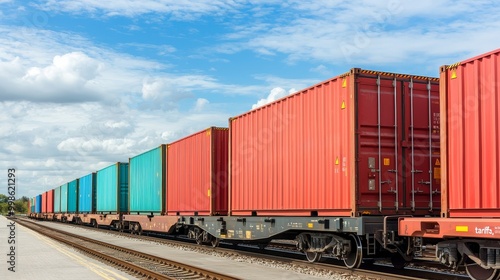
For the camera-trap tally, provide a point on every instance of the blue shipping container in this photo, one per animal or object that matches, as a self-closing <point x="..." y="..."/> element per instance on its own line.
<point x="64" y="198"/>
<point x="73" y="196"/>
<point x="147" y="181"/>
<point x="57" y="200"/>
<point x="38" y="204"/>
<point x="86" y="193"/>
<point x="112" y="188"/>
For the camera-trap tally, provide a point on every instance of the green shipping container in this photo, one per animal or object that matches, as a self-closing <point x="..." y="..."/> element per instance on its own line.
<point x="147" y="182"/>
<point x="64" y="198"/>
<point x="112" y="188"/>
<point x="57" y="200"/>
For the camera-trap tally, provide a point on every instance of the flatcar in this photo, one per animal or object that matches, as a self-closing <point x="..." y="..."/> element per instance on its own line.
<point x="468" y="231"/>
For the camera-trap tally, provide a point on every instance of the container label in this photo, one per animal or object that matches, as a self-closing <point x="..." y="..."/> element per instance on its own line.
<point x="461" y="228"/>
<point x="437" y="173"/>
<point x="387" y="161"/>
<point x="454" y="74"/>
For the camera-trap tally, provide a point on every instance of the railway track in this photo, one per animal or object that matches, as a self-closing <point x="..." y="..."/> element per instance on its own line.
<point x="277" y="252"/>
<point x="136" y="263"/>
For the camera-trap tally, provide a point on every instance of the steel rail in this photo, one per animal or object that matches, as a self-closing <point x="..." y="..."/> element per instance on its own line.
<point x="143" y="272"/>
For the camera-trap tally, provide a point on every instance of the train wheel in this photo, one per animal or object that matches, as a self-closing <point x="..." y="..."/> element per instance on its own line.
<point x="355" y="257"/>
<point x="313" y="256"/>
<point x="476" y="272"/>
<point x="199" y="237"/>
<point x="215" y="242"/>
<point x="398" y="261"/>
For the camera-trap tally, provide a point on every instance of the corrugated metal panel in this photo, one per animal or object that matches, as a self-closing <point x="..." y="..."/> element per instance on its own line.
<point x="470" y="133"/>
<point x="57" y="200"/>
<point x="44" y="202"/>
<point x="64" y="198"/>
<point x="86" y="187"/>
<point x="147" y="181"/>
<point x="38" y="204"/>
<point x="50" y="201"/>
<point x="73" y="196"/>
<point x="318" y="152"/>
<point x="197" y="168"/>
<point x="112" y="188"/>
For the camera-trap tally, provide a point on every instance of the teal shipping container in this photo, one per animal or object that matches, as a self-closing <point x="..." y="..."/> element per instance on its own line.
<point x="112" y="188"/>
<point x="147" y="181"/>
<point x="57" y="200"/>
<point x="86" y="193"/>
<point x="64" y="198"/>
<point x="73" y="196"/>
<point x="32" y="205"/>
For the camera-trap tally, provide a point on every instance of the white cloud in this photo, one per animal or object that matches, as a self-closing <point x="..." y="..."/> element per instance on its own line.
<point x="322" y="69"/>
<point x="63" y="141"/>
<point x="373" y="33"/>
<point x="275" y="94"/>
<point x="176" y="9"/>
<point x="201" y="103"/>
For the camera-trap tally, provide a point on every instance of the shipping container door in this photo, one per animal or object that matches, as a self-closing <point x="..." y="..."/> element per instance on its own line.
<point x="421" y="146"/>
<point x="379" y="111"/>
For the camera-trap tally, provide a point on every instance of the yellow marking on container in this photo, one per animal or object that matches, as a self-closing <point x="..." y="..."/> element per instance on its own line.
<point x="387" y="161"/>
<point x="337" y="161"/>
<point x="208" y="131"/>
<point x="310" y="225"/>
<point x="437" y="173"/>
<point x="462" y="228"/>
<point x="248" y="234"/>
<point x="437" y="162"/>
<point x="343" y="105"/>
<point x="344" y="82"/>
<point x="453" y="74"/>
<point x="208" y="192"/>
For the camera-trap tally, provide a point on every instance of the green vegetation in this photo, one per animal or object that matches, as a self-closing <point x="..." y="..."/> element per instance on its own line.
<point x="20" y="205"/>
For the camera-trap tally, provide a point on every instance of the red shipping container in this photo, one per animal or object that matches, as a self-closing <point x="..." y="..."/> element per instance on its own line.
<point x="363" y="143"/>
<point x="44" y="202"/>
<point x="197" y="174"/>
<point x="470" y="131"/>
<point x="50" y="201"/>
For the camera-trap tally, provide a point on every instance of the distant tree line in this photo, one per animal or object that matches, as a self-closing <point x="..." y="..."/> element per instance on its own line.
<point x="20" y="205"/>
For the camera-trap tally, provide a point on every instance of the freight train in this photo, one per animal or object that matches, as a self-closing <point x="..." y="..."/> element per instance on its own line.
<point x="365" y="165"/>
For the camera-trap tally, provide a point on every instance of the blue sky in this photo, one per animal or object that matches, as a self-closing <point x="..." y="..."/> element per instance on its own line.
<point x="84" y="83"/>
